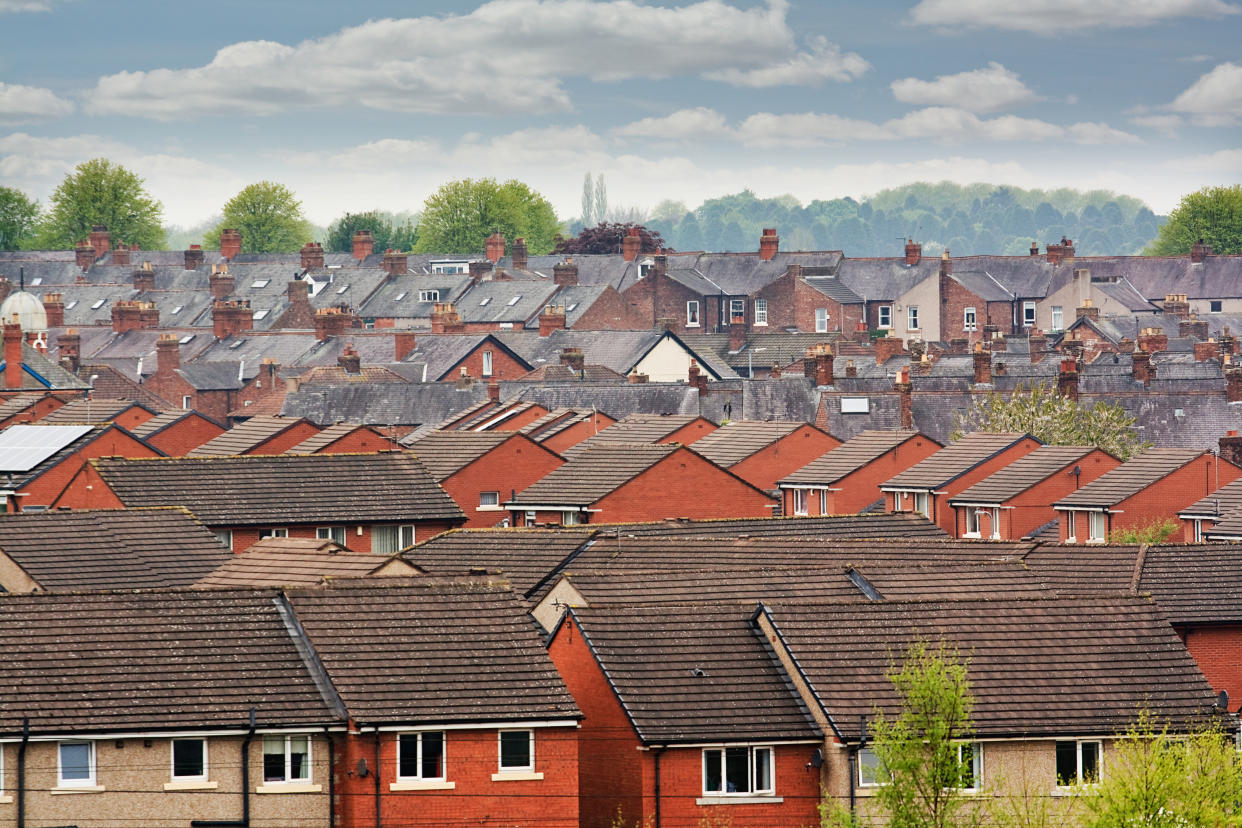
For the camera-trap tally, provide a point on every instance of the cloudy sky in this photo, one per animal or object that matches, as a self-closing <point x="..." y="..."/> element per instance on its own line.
<point x="375" y="104"/>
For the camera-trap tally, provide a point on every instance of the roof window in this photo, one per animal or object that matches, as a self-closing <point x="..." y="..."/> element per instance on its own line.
<point x="515" y="300"/>
<point x="177" y="310"/>
<point x="260" y="283"/>
<point x="399" y="296"/>
<point x="99" y="303"/>
<point x="259" y="314"/>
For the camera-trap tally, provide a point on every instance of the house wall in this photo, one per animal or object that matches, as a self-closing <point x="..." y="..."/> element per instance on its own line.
<point x="44" y="489"/>
<point x="575" y="434"/>
<point x="1218" y="652"/>
<point x="659" y="297"/>
<point x="682" y="485"/>
<point x="184" y="436"/>
<point x="611" y="312"/>
<point x="504" y="367"/>
<point x="788" y="454"/>
<point x="360" y="441"/>
<point x="666" y="362"/>
<point x="1171" y="494"/>
<point x="926" y="295"/>
<point x="357" y="536"/>
<point x="861" y="488"/>
<point x="792" y="303"/>
<point x="287" y="439"/>
<point x="514" y="465"/>
<point x="37" y="411"/>
<point x="691" y="431"/>
<point x="954" y="299"/>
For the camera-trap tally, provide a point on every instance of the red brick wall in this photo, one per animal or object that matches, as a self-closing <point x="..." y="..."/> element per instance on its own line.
<point x="44" y="489"/>
<point x="611" y="312"/>
<point x="133" y="416"/>
<point x="185" y="435"/>
<point x="360" y="441"/>
<point x="40" y="409"/>
<point x="1218" y="652"/>
<point x="862" y="488"/>
<point x="682" y="485"/>
<point x="86" y="490"/>
<point x="954" y="299"/>
<point x="792" y="303"/>
<point x="504" y="367"/>
<point x="788" y="454"/>
<point x="471" y="757"/>
<point x="245" y="537"/>
<point x="515" y="464"/>
<point x="286" y="439"/>
<point x="670" y="303"/>
<point x="690" y="432"/>
<point x="578" y="432"/>
<point x="1173" y="493"/>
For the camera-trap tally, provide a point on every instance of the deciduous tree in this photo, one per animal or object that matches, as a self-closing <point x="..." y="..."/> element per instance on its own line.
<point x="607" y="237"/>
<point x="1213" y="214"/>
<point x="460" y="216"/>
<point x="18" y="215"/>
<point x="101" y="192"/>
<point x="269" y="217"/>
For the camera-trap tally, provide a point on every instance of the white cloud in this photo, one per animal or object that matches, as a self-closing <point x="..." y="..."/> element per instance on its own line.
<point x="1214" y="99"/>
<point x="1211" y="164"/>
<point x="699" y="123"/>
<point x="1052" y="17"/>
<point x="1167" y="125"/>
<point x="23" y="104"/>
<point x="506" y="56"/>
<point x="14" y="6"/>
<point x="981" y="90"/>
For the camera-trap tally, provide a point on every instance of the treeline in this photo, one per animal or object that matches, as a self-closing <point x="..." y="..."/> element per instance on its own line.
<point x="968" y="220"/>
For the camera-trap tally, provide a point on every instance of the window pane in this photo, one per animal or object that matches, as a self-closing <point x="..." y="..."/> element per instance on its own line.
<point x="737" y="774"/>
<point x="189" y="757"/>
<point x="515" y="749"/>
<point x="763" y="769"/>
<point x="868" y="767"/>
<point x="384" y="540"/>
<point x="75" y="761"/>
<point x="1067" y="763"/>
<point x="273" y="759"/>
<point x="711" y="771"/>
<point x="299" y="757"/>
<point x="407" y="755"/>
<point x="966" y="758"/>
<point x="1090" y="761"/>
<point x="407" y="536"/>
<point x="433" y="756"/>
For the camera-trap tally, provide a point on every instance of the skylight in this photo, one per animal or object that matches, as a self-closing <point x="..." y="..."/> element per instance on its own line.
<point x="571" y="307"/>
<point x="72" y="304"/>
<point x="177" y="310"/>
<point x="400" y="296"/>
<point x="259" y="314"/>
<point x="236" y="344"/>
<point x="486" y="299"/>
<point x="185" y="340"/>
<point x="342" y="289"/>
<point x="515" y="300"/>
<point x="260" y="283"/>
<point x="99" y="303"/>
<point x="38" y="280"/>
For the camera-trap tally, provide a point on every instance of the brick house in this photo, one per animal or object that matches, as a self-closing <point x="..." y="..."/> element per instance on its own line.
<point x="177" y="433"/>
<point x="294" y="562"/>
<point x="482" y="469"/>
<point x="98" y="410"/>
<point x="847" y="479"/>
<point x="1017" y="500"/>
<point x="927" y="486"/>
<point x="367" y="502"/>
<point x="27" y="407"/>
<point x="1151" y="487"/>
<point x="43" y="459"/>
<point x="259" y="435"/>
<point x="684" y="429"/>
<point x="761" y="452"/>
<point x="564" y="428"/>
<point x="809" y="301"/>
<point x="623" y="482"/>
<point x="345" y="438"/>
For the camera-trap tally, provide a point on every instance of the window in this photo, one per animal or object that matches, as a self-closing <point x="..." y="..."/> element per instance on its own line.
<point x="1058" y="318"/>
<point x="402" y="294"/>
<point x="426" y="296"/>
<point x="489" y="500"/>
<point x="98" y="304"/>
<point x="332" y="533"/>
<point x="823" y="501"/>
<point x="420" y="755"/>
<point x="286" y="759"/>
<point x="487" y="363"/>
<point x="1096" y="527"/>
<point x="912" y="317"/>
<point x="189" y="759"/>
<point x="799" y="502"/>
<point x="1214" y="306"/>
<point x="187" y="402"/>
<point x="868" y="768"/>
<point x="922" y="504"/>
<point x="75" y="765"/>
<point x="761" y="311"/>
<point x="886" y="316"/>
<point x="514" y="300"/>
<point x="737" y="309"/>
<point x="982" y="522"/>
<point x="177" y="309"/>
<point x="260" y="314"/>
<point x="484" y="301"/>
<point x="225" y="536"/>
<point x="1028" y="314"/>
<point x="1198" y="531"/>
<point x="517" y="750"/>
<point x="737" y="770"/>
<point x="643" y="269"/>
<point x="259" y="283"/>
<point x="692" y="314"/>
<point x="342" y="289"/>
<point x="529" y="519"/>
<point x="1078" y="763"/>
<point x="388" y="540"/>
<point x="821" y="320"/>
<point x="970" y="765"/>
<point x="36" y="281"/>
<point x="73" y="304"/>
<point x="571" y="517"/>
<point x="968" y="320"/>
<point x="273" y="533"/>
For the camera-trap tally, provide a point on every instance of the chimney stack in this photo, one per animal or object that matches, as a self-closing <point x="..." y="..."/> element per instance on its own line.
<point x="904" y="392"/>
<point x="446" y="320"/>
<point x="1205" y="351"/>
<point x="983" y="365"/>
<point x="13" y="354"/>
<point x="1199" y="251"/>
<point x="1088" y="310"/>
<point x="495" y="247"/>
<point x="914" y="252"/>
<point x="144" y="277"/>
<point x="194" y="257"/>
<point x="737" y="333"/>
<point x="167" y="354"/>
<point x="223" y="283"/>
<point x="1038" y="345"/>
<point x="1233" y="383"/>
<point x="636" y="378"/>
<point x="130" y="315"/>
<point x="101" y="240"/>
<point x="395" y="263"/>
<point x="565" y="274"/>
<point x="552" y="319"/>
<point x="349" y="360"/>
<point x="1194" y="327"/>
<point x="312" y="256"/>
<point x="1153" y="340"/>
<point x="696" y="376"/>
<point x="519" y="253"/>
<point x="1176" y="304"/>
<point x="1034" y="248"/>
<point x="69" y="344"/>
<point x="817" y="365"/>
<point x="231" y="317"/>
<point x="230" y="243"/>
<point x="84" y="255"/>
<point x="54" y="307"/>
<point x="479" y="271"/>
<point x="364" y="244"/>
<point x="120" y="256"/>
<point x="946" y="263"/>
<point x="330" y="322"/>
<point x="404" y="343"/>
<point x="851" y="370"/>
<point x="887" y="347"/>
<point x="769" y="244"/>
<point x="1142" y="369"/>
<point x="631" y="244"/>
<point x="1231" y="447"/>
<point x="1067" y="379"/>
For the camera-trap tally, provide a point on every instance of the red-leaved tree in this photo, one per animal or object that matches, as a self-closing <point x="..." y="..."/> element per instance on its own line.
<point x="606" y="237"/>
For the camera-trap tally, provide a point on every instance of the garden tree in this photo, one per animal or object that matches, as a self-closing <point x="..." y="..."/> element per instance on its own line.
<point x="1213" y="214"/>
<point x="460" y="216"/>
<point x="600" y="211"/>
<point x="269" y="218"/>
<point x="100" y="192"/>
<point x="387" y="231"/>
<point x="1157" y="531"/>
<point x="18" y="215"/>
<point x="1054" y="419"/>
<point x="606" y="237"/>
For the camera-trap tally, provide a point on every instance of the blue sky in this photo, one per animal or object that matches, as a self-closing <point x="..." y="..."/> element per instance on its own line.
<point x="375" y="104"/>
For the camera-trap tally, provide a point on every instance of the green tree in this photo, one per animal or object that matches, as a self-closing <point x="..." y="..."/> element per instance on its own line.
<point x="1055" y="419"/>
<point x="922" y="764"/>
<point x="1158" y="531"/>
<point x="1213" y="214"/>
<point x="460" y="216"/>
<point x="340" y="238"/>
<point x="100" y="192"/>
<point x="269" y="217"/>
<point x="18" y="216"/>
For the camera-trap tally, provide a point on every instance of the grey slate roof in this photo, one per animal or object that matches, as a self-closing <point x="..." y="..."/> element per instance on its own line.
<point x="1130" y="477"/>
<point x="382" y="405"/>
<point x="507" y="301"/>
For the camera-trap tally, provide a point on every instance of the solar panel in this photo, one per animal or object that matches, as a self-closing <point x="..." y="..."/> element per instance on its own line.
<point x="22" y="447"/>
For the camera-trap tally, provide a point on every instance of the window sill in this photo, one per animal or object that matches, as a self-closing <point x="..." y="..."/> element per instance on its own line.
<point x="739" y="800"/>
<point x="517" y="776"/>
<point x="422" y="785"/>
<point x="693" y="325"/>
<point x="83" y="789"/>
<point x="191" y="785"/>
<point x="288" y="788"/>
<point x="6" y="800"/>
<point x="491" y="509"/>
<point x="760" y="325"/>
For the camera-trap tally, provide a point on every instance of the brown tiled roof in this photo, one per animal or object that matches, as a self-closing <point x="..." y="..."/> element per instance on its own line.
<point x="162" y="421"/>
<point x="432" y="654"/>
<point x="268" y="405"/>
<point x="445" y="453"/>
<point x="111" y="383"/>
<point x="1130" y="477"/>
<point x="593" y="473"/>
<point x="335" y="374"/>
<point x="953" y="460"/>
<point x="1022" y="474"/>
<point x="275" y="490"/>
<point x="1230" y="527"/>
<point x="171" y="659"/>
<point x="1224" y="501"/>
<point x="327" y="437"/>
<point x="849" y="457"/>
<point x="278" y="562"/>
<point x="246" y="436"/>
<point x="92" y="411"/>
<point x="695" y="673"/>
<point x="639" y="428"/>
<point x="1036" y="667"/>
<point x="18" y="403"/>
<point x="111" y="548"/>
<point x="891" y="525"/>
<point x="524" y="556"/>
<point x="734" y="442"/>
<point x="1096" y="570"/>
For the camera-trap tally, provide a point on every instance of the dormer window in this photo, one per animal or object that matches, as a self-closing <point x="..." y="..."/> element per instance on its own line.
<point x="428" y="296"/>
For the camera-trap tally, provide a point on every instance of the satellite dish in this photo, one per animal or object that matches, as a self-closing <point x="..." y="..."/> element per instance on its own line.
<point x="1222" y="699"/>
<point x="817" y="758"/>
<point x="362" y="768"/>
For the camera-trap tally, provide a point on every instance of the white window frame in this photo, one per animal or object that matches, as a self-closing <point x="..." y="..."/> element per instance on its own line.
<point x="405" y="534"/>
<point x="976" y="764"/>
<point x="800" y="502"/>
<point x="1215" y="305"/>
<point x="427" y="296"/>
<point x="61" y="781"/>
<point x="332" y="533"/>
<point x="884" y="318"/>
<point x="692" y="314"/>
<point x="1078" y="745"/>
<point x="487" y="363"/>
<point x="1028" y="314"/>
<point x="1197" y="530"/>
<point x="1097" y="527"/>
<point x="761" y="313"/>
<point x="1058" y="318"/>
<point x="922" y="504"/>
<point x="821" y="320"/>
<point x="530" y="518"/>
<point x="752" y="787"/>
<point x="187" y="402"/>
<point x="868" y="763"/>
<point x="273" y="532"/>
<point x="418" y="758"/>
<point x="225" y="536"/>
<point x="571" y="517"/>
<point x="912" y="318"/>
<point x="974" y="524"/>
<point x="172" y="761"/>
<point x="288" y="774"/>
<point x="529" y="767"/>
<point x="823" y="501"/>
<point x="970" y="319"/>
<point x="737" y="307"/>
<point x="489" y="500"/>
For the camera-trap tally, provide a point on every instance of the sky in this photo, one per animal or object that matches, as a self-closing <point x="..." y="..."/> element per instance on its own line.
<point x="373" y="105"/>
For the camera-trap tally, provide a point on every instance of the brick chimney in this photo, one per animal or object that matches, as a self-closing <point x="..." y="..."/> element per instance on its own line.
<point x="552" y="319"/>
<point x="120" y="256"/>
<point x="223" y="283"/>
<point x="1194" y="327"/>
<point x="167" y="355"/>
<point x="519" y="253"/>
<point x="573" y="359"/>
<point x="1231" y="447"/>
<point x="1067" y="379"/>
<point x="1142" y="370"/>
<point x="1205" y="351"/>
<point x="479" y="271"/>
<point x="230" y="243"/>
<point x="84" y="255"/>
<point x="1088" y="309"/>
<point x="1067" y="251"/>
<point x="887" y="347"/>
<point x="230" y="317"/>
<point x="404" y="343"/>
<point x="946" y="263"/>
<point x="70" y="345"/>
<point x="364" y="244"/>
<point x="1233" y="383"/>
<point x="1054" y="253"/>
<point x="312" y="256"/>
<point x="395" y="263"/>
<point x="817" y="365"/>
<point x="696" y="376"/>
<point x="13" y="354"/>
<point x="631" y="244"/>
<point x="331" y="322"/>
<point x="144" y="277"/>
<point x="914" y="252"/>
<point x="774" y="372"/>
<point x="636" y="378"/>
<point x="1039" y="345"/>
<point x="1153" y="340"/>
<point x="493" y="392"/>
<point x="904" y="391"/>
<point x="1176" y="304"/>
<point x="446" y="320"/>
<point x="565" y="273"/>
<point x="349" y="360"/>
<point x="737" y="333"/>
<point x="194" y="257"/>
<point x="983" y="365"/>
<point x="1199" y="251"/>
<point x="1228" y="344"/>
<point x="495" y="246"/>
<point x="101" y="240"/>
<point x="1034" y="248"/>
<point x="131" y="315"/>
<point x="769" y="244"/>
<point x="54" y="307"/>
<point x="851" y="370"/>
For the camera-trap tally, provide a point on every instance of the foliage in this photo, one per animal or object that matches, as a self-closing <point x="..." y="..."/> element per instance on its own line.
<point x="18" y="215"/>
<point x="177" y="237"/>
<point x="268" y="216"/>
<point x="919" y="768"/>
<point x="100" y="192"/>
<point x="607" y="238"/>
<point x="1213" y="214"/>
<point x="1158" y="531"/>
<point x="387" y="232"/>
<point x="460" y="216"/>
<point x="1054" y="419"/>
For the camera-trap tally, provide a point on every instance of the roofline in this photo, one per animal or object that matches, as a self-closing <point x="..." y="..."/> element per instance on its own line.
<point x="490" y="335"/>
<point x="788" y="483"/>
<point x="964" y="471"/>
<point x="762" y="609"/>
<point x="586" y="638"/>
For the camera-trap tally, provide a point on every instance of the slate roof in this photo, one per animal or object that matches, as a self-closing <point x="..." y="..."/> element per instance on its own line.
<point x="617" y="401"/>
<point x="953" y="460"/>
<point x="399" y="296"/>
<point x="107" y="380"/>
<point x="735" y="441"/>
<point x="280" y="562"/>
<point x="849" y="457"/>
<point x="382" y="405"/>
<point x="982" y="284"/>
<point x="525" y="557"/>
<point x="834" y="289"/>
<point x="213" y="376"/>
<point x="433" y="654"/>
<point x="245" y="437"/>
<point x="111" y="548"/>
<point x="593" y="473"/>
<point x="265" y="490"/>
<point x="505" y="301"/>
<point x="39" y="372"/>
<point x="1022" y="474"/>
<point x="445" y="453"/>
<point x="1130" y="477"/>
